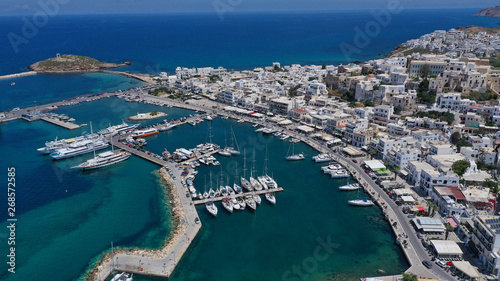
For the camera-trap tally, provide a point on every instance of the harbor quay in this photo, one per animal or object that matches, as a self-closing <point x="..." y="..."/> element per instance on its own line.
<point x="161" y="263"/>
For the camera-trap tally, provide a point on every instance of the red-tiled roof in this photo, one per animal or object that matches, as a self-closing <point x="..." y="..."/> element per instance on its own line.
<point x="300" y="111"/>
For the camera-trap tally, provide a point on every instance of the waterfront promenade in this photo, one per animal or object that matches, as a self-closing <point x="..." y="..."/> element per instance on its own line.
<point x="414" y="251"/>
<point x="162" y="262"/>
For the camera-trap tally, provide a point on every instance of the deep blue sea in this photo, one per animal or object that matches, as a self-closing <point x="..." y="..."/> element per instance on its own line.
<point x="66" y="218"/>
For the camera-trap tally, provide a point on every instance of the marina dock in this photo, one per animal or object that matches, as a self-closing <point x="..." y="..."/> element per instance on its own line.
<point x="219" y="198"/>
<point x="66" y="125"/>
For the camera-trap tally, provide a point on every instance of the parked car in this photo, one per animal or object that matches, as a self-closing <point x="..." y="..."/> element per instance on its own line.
<point x="420" y="235"/>
<point x="427" y="263"/>
<point x="411" y="216"/>
<point x="440" y="263"/>
<point x="354" y="160"/>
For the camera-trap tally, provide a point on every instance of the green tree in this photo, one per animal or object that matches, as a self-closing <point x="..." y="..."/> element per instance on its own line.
<point x="396" y="171"/>
<point x="368" y="103"/>
<point x="459" y="167"/>
<point x="398" y="109"/>
<point x="410" y="277"/>
<point x="455" y="138"/>
<point x="425" y="71"/>
<point x="323" y="66"/>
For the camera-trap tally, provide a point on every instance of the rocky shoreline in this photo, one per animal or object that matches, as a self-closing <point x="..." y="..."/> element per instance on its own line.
<point x="173" y="237"/>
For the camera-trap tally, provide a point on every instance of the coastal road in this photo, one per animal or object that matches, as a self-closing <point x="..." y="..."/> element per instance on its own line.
<point x="415" y="242"/>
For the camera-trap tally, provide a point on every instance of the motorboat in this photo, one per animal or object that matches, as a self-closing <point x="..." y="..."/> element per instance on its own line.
<point x="361" y="202"/>
<point x="320" y="158"/>
<point x="350" y="187"/>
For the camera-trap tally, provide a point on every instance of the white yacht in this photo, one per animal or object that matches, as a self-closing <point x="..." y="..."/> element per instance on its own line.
<point x="79" y="148"/>
<point x="362" y="202"/>
<point x="104" y="159"/>
<point x="237" y="188"/>
<point x="230" y="190"/>
<point x="250" y="202"/>
<point x="211" y="208"/>
<point x="270" y="198"/>
<point x="257" y="199"/>
<point x="114" y="130"/>
<point x="246" y="184"/>
<point x="166" y="127"/>
<point x="293" y="156"/>
<point x="235" y="204"/>
<point x="122" y="277"/>
<point x="268" y="131"/>
<point x="350" y="187"/>
<point x="339" y="174"/>
<point x="320" y="158"/>
<point x="226" y="203"/>
<point x="241" y="202"/>
<point x="255" y="184"/>
<point x="225" y="152"/>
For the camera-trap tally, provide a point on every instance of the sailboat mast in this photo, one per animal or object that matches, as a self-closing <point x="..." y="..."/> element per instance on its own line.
<point x="244" y="162"/>
<point x="265" y="163"/>
<point x="253" y="164"/>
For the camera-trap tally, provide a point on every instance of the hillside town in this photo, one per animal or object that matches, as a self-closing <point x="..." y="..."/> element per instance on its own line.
<point x="427" y="116"/>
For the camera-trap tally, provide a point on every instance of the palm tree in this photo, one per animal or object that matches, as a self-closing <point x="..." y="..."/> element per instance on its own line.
<point x="396" y="171"/>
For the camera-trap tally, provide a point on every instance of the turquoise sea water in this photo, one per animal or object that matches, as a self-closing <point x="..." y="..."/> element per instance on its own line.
<point x="62" y="212"/>
<point x="67" y="219"/>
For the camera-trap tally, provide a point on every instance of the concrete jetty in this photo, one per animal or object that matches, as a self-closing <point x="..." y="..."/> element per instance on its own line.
<point x="66" y="125"/>
<point x="16" y="75"/>
<point x="158" y="263"/>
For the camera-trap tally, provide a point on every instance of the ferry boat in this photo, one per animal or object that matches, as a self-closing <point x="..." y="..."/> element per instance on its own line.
<point x="320" y="158"/>
<point x="114" y="130"/>
<point x="104" y="159"/>
<point x="227" y="205"/>
<point x="211" y="208"/>
<point x="144" y="133"/>
<point x="52" y="146"/>
<point x="79" y="148"/>
<point x="350" y="187"/>
<point x="270" y="198"/>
